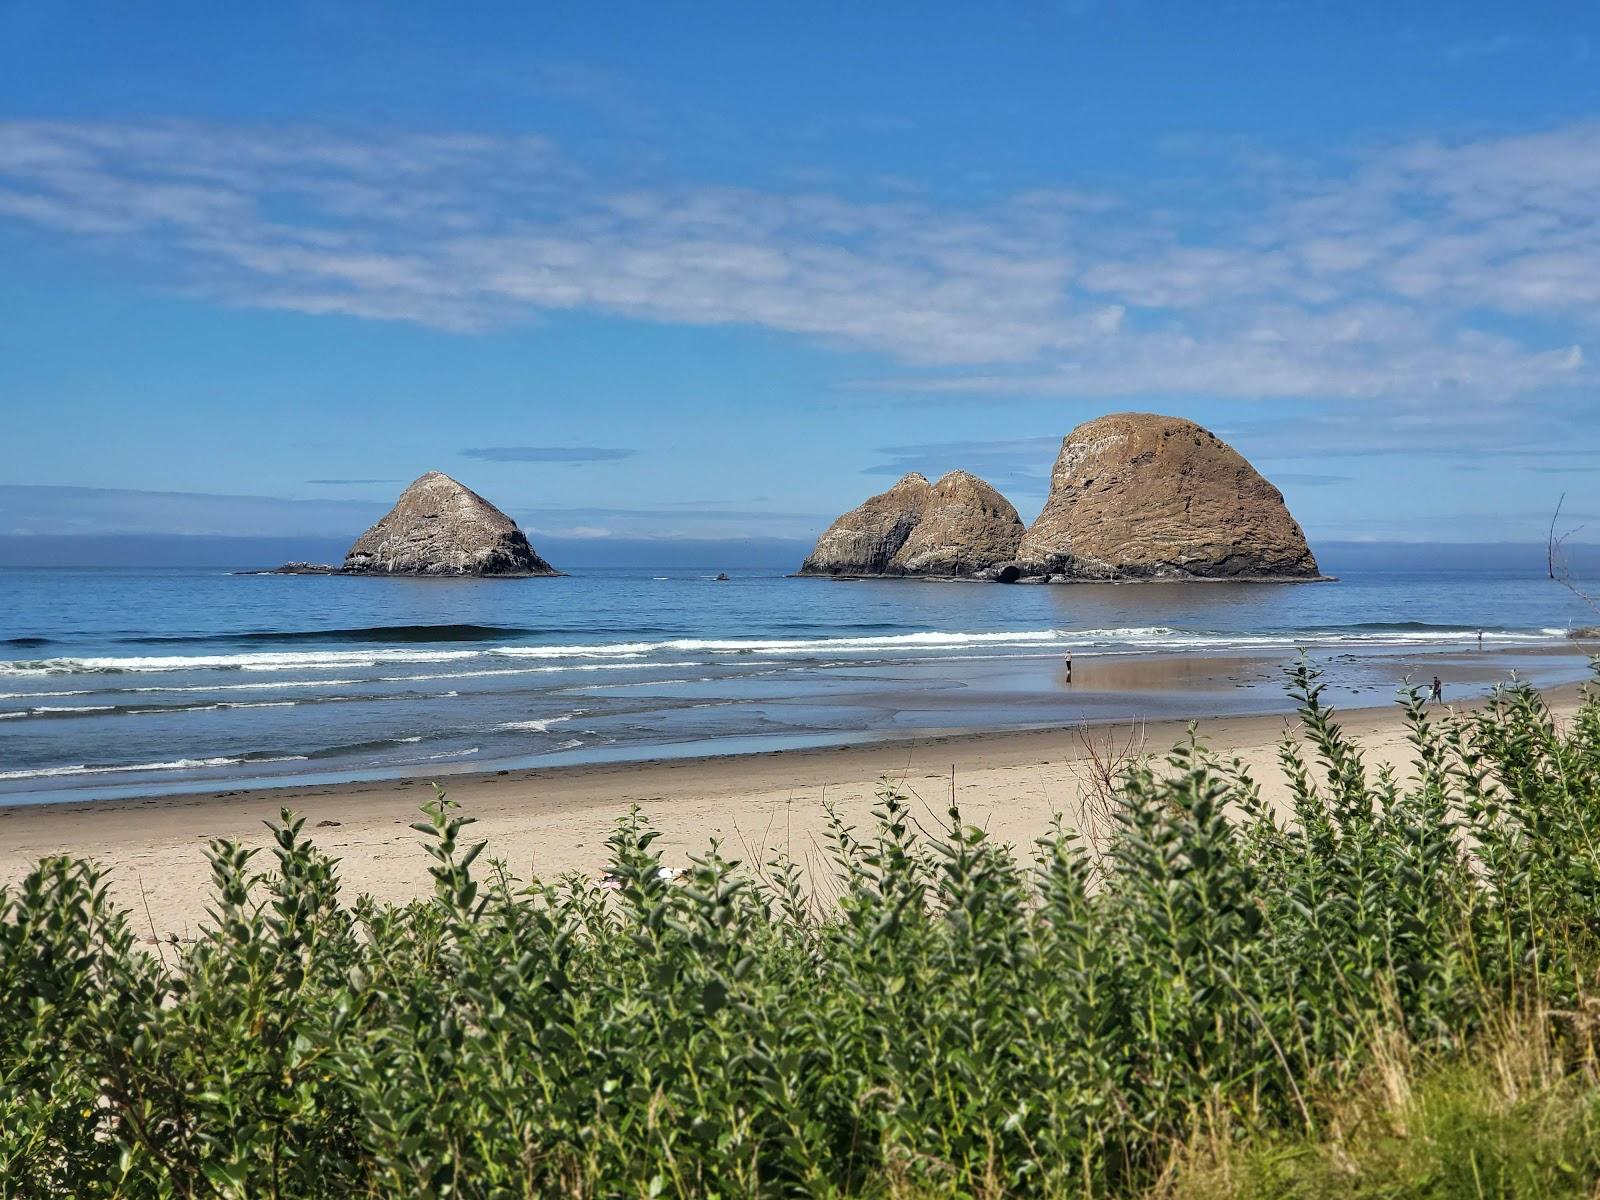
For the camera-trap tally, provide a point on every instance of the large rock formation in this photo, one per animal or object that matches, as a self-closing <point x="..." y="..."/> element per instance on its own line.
<point x="440" y="527"/>
<point x="865" y="540"/>
<point x="1142" y="496"/>
<point x="966" y="527"/>
<point x="956" y="527"/>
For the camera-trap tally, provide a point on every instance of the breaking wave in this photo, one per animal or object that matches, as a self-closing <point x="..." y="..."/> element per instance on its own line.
<point x="620" y="655"/>
<point x="540" y="726"/>
<point x="180" y="764"/>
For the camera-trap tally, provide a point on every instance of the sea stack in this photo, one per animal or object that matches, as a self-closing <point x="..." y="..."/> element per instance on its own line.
<point x="957" y="527"/>
<point x="966" y="527"/>
<point x="866" y="539"/>
<point x="441" y="527"/>
<point x="1143" y="496"/>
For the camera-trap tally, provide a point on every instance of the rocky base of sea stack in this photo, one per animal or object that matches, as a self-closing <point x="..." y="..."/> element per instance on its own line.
<point x="1026" y="572"/>
<point x="298" y="568"/>
<point x="437" y="573"/>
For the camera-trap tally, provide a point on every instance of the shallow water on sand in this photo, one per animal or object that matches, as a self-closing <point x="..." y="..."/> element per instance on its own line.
<point x="118" y="682"/>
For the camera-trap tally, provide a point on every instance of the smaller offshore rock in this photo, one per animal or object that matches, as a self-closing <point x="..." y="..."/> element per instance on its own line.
<point x="865" y="540"/>
<point x="441" y="527"/>
<point x="966" y="527"/>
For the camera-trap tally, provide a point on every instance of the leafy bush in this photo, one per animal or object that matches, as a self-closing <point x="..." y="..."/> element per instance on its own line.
<point x="953" y="1021"/>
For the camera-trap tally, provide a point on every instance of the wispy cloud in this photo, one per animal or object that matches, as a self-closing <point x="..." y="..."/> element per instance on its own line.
<point x="1490" y="47"/>
<point x="548" y="454"/>
<point x="1465" y="271"/>
<point x="589" y="86"/>
<point x="1498" y="435"/>
<point x="1012" y="464"/>
<point x="345" y="482"/>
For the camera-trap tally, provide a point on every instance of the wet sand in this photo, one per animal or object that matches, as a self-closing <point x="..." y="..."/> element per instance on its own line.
<point x="549" y="821"/>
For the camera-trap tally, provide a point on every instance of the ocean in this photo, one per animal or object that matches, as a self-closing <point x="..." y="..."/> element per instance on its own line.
<point x="121" y="682"/>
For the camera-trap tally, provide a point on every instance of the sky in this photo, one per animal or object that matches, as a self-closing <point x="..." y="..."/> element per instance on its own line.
<point x="713" y="273"/>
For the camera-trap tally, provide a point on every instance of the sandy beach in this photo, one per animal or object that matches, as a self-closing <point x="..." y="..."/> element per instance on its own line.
<point x="555" y="820"/>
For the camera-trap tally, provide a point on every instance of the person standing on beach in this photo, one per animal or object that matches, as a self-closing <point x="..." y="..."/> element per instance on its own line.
<point x="1069" y="667"/>
<point x="1437" y="695"/>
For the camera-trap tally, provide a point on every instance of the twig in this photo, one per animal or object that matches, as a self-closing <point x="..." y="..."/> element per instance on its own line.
<point x="144" y="898"/>
<point x="1550" y="545"/>
<point x="1556" y="559"/>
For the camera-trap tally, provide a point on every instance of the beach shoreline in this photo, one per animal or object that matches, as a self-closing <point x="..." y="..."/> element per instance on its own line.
<point x="553" y="820"/>
<point x="810" y="708"/>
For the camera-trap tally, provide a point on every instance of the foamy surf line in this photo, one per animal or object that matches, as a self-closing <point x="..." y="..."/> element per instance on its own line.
<point x="181" y="764"/>
<point x="62" y="712"/>
<point x="540" y="726"/>
<point x="624" y="655"/>
<point x="271" y="661"/>
<point x="318" y="660"/>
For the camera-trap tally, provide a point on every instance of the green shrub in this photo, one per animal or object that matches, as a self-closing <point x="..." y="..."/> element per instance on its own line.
<point x="953" y="1021"/>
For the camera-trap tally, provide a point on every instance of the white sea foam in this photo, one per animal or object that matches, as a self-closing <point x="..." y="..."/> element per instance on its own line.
<point x="778" y="645"/>
<point x="534" y="726"/>
<point x="633" y="655"/>
<point x="617" y="687"/>
<point x="181" y="764"/>
<point x="46" y="772"/>
<point x="244" y="687"/>
<point x="496" y="672"/>
<point x="1185" y="640"/>
<point x="272" y="661"/>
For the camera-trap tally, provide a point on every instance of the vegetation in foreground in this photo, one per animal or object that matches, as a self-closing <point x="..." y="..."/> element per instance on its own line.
<point x="1390" y="994"/>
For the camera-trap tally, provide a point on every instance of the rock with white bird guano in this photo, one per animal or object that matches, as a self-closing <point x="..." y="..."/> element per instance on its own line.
<point x="955" y="528"/>
<point x="966" y="527"/>
<point x="865" y="540"/>
<point x="1143" y="496"/>
<point x="441" y="527"/>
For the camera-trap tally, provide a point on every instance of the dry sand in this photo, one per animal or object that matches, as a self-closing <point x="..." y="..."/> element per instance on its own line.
<point x="555" y="820"/>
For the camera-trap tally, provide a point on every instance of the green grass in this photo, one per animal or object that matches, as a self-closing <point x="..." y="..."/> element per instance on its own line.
<point x="1217" y="1001"/>
<point x="1466" y="1129"/>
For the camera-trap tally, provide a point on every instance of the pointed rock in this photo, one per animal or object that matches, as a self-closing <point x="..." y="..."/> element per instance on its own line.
<point x="440" y="527"/>
<point x="956" y="527"/>
<point x="966" y="527"/>
<point x="865" y="540"/>
<point x="1142" y="496"/>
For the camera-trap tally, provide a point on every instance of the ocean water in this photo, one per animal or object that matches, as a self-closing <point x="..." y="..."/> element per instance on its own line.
<point x="122" y="682"/>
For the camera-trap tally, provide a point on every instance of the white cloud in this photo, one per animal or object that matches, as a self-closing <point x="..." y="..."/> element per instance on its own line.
<point x="1422" y="270"/>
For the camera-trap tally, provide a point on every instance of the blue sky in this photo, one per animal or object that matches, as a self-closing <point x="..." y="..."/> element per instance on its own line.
<point x="719" y="271"/>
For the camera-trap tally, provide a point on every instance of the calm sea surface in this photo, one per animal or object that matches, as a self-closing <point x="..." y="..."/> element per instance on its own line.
<point x="119" y="682"/>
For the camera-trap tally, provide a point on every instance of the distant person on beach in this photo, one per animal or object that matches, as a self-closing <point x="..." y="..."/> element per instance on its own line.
<point x="1069" y="666"/>
<point x="1437" y="695"/>
<point x="1480" y="639"/>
